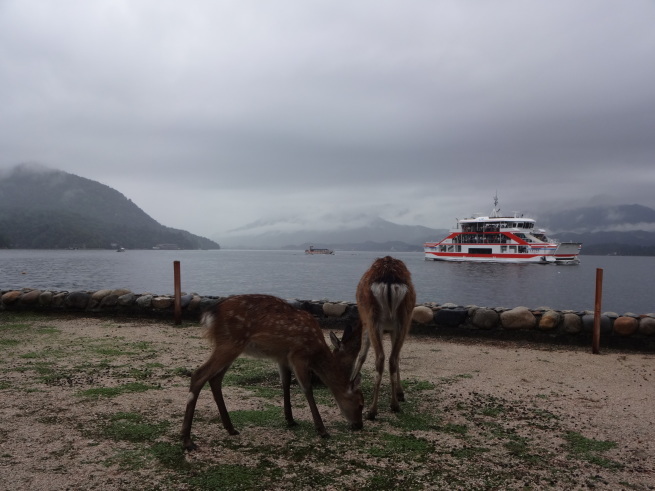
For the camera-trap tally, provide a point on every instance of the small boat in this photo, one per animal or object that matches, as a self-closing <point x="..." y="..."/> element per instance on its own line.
<point x="498" y="238"/>
<point x="314" y="250"/>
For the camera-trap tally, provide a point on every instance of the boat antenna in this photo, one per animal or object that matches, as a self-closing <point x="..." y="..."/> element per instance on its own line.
<point x="496" y="212"/>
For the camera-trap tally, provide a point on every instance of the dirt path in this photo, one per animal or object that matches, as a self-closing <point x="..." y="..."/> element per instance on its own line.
<point x="97" y="404"/>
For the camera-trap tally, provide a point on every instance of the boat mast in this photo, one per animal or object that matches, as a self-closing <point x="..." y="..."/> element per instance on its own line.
<point x="496" y="211"/>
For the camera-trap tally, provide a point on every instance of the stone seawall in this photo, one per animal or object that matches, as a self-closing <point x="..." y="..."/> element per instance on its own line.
<point x="431" y="318"/>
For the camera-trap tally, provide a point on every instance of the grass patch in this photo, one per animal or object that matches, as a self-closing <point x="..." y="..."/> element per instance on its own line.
<point x="116" y="391"/>
<point x="132" y="427"/>
<point x="589" y="450"/>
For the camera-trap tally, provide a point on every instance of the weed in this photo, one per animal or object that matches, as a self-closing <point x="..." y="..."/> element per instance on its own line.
<point x="131" y="427"/>
<point x="588" y="449"/>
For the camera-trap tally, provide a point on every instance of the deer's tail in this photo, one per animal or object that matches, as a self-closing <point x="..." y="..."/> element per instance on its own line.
<point x="389" y="297"/>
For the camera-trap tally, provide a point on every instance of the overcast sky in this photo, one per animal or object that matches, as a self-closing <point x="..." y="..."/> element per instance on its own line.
<point x="211" y="115"/>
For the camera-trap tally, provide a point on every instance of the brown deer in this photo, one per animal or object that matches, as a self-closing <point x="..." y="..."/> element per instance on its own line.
<point x="269" y="327"/>
<point x="385" y="300"/>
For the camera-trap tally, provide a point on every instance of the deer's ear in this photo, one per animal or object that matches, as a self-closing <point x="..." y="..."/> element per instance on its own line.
<point x="335" y="340"/>
<point x="356" y="383"/>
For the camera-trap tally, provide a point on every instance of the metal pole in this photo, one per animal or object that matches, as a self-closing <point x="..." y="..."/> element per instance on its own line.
<point x="599" y="294"/>
<point x="178" y="293"/>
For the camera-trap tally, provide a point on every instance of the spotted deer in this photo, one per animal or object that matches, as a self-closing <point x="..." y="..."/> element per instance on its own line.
<point x="269" y="327"/>
<point x="385" y="300"/>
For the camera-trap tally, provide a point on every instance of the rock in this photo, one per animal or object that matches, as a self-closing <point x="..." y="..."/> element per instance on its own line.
<point x="588" y="323"/>
<point x="422" y="314"/>
<point x="45" y="298"/>
<point x="625" y="326"/>
<point x="144" y="301"/>
<point x="126" y="300"/>
<point x="485" y="318"/>
<point x="571" y="323"/>
<point x="451" y="317"/>
<point x="162" y="302"/>
<point x="77" y="300"/>
<point x="119" y="292"/>
<point x="30" y="298"/>
<point x="59" y="299"/>
<point x="110" y="300"/>
<point x="185" y="300"/>
<point x="334" y="309"/>
<point x="549" y="320"/>
<point x="518" y="318"/>
<point x="647" y="326"/>
<point x="194" y="304"/>
<point x="11" y="297"/>
<point x="99" y="295"/>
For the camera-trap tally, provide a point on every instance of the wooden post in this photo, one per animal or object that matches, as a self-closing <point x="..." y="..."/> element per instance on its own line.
<point x="595" y="344"/>
<point x="178" y="294"/>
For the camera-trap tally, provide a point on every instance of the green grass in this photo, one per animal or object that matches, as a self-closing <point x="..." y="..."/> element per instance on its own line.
<point x="108" y="392"/>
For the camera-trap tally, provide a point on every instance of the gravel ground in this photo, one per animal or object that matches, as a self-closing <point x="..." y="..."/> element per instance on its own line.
<point x="56" y="406"/>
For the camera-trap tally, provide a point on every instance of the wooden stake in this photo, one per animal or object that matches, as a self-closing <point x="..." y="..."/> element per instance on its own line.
<point x="178" y="293"/>
<point x="595" y="344"/>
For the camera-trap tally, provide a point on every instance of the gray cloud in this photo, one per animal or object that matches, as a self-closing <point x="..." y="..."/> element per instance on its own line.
<point x="211" y="115"/>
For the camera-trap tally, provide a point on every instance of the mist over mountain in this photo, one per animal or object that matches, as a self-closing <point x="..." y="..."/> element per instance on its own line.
<point x="361" y="232"/>
<point x="45" y="208"/>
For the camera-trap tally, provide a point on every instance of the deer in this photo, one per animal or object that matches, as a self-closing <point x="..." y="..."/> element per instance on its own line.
<point x="265" y="326"/>
<point x="385" y="299"/>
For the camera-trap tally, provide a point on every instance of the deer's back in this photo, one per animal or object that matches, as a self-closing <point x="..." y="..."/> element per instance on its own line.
<point x="264" y="326"/>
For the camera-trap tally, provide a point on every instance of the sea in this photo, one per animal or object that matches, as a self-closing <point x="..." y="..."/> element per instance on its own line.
<point x="628" y="283"/>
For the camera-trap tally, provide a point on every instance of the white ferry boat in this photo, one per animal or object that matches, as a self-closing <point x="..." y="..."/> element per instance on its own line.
<point x="314" y="250"/>
<point x="497" y="238"/>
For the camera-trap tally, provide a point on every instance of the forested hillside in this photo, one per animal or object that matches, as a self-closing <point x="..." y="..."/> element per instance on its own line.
<point x="49" y="209"/>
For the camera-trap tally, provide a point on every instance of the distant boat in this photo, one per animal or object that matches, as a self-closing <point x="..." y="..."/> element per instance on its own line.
<point x="313" y="250"/>
<point x="497" y="238"/>
<point x="120" y="249"/>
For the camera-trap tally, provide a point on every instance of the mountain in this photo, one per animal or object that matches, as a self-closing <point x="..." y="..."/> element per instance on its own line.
<point x="41" y="208"/>
<point x="356" y="233"/>
<point x="626" y="230"/>
<point x="622" y="230"/>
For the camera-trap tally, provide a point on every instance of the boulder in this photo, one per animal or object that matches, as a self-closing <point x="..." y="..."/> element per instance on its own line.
<point x="127" y="299"/>
<point x="11" y="297"/>
<point x="549" y="320"/>
<point x="451" y="317"/>
<point x="422" y="314"/>
<point x="571" y="323"/>
<point x="484" y="318"/>
<point x="162" y="302"/>
<point x="625" y="326"/>
<point x="588" y="323"/>
<point x="144" y="301"/>
<point x="334" y="309"/>
<point x="110" y="300"/>
<point x="647" y="326"/>
<point x="518" y="318"/>
<point x="77" y="300"/>
<point x="30" y="298"/>
<point x="45" y="298"/>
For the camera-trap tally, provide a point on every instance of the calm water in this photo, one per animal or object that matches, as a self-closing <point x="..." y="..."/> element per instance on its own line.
<point x="629" y="282"/>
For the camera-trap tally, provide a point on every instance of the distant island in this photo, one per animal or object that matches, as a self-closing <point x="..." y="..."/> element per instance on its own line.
<point x="42" y="208"/>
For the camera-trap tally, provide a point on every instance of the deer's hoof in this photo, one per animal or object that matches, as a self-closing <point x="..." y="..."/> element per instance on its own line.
<point x="190" y="446"/>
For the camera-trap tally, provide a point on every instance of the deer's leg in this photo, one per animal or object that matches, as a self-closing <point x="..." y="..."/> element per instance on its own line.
<point x="397" y="340"/>
<point x="216" y="384"/>
<point x="361" y="357"/>
<point x="198" y="380"/>
<point x="285" y="380"/>
<point x="303" y="375"/>
<point x="376" y="341"/>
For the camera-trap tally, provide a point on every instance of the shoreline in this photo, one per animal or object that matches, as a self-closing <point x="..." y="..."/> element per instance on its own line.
<point x="628" y="330"/>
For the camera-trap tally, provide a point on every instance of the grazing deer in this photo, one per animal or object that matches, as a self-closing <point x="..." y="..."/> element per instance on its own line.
<point x="269" y="327"/>
<point x="385" y="300"/>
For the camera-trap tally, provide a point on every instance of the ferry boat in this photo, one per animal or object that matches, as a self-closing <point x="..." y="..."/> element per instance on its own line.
<point x="314" y="250"/>
<point x="498" y="238"/>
